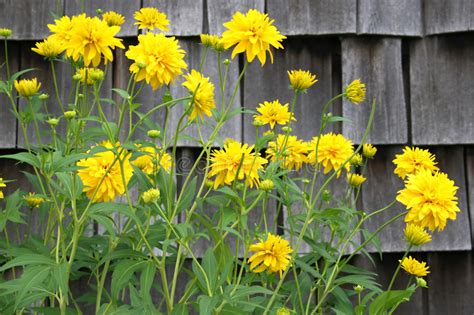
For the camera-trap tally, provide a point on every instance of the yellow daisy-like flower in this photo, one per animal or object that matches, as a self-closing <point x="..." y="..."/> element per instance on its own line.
<point x="33" y="200"/>
<point x="62" y="27"/>
<point x="252" y="33"/>
<point x="148" y="162"/>
<point x="5" y="32"/>
<point x="2" y="185"/>
<point x="203" y="94"/>
<point x="355" y="92"/>
<point x="49" y="48"/>
<point x="416" y="235"/>
<point x="272" y="255"/>
<point x="212" y="41"/>
<point x="151" y="195"/>
<point x="89" y="75"/>
<point x="157" y="59"/>
<point x="413" y="160"/>
<point x="333" y="151"/>
<point x="91" y="38"/>
<point x="27" y="88"/>
<point x="355" y="180"/>
<point x="102" y="165"/>
<point x="232" y="158"/>
<point x="430" y="198"/>
<point x="301" y="80"/>
<point x="273" y="113"/>
<point x="368" y="150"/>
<point x="151" y="18"/>
<point x="414" y="267"/>
<point x="291" y="151"/>
<point x="113" y="18"/>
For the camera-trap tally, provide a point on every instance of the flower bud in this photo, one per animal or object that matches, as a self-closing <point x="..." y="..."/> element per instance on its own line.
<point x="305" y="181"/>
<point x="227" y="62"/>
<point x="70" y="114"/>
<point x="283" y="311"/>
<point x="33" y="200"/>
<point x="99" y="11"/>
<point x="356" y="160"/>
<point x="151" y="195"/>
<point x="141" y="65"/>
<point x="43" y="97"/>
<point x="267" y="185"/>
<point x="258" y="123"/>
<point x="421" y="282"/>
<point x="5" y="32"/>
<point x="153" y="133"/>
<point x="77" y="77"/>
<point x="209" y="184"/>
<point x="286" y="129"/>
<point x="358" y="288"/>
<point x="53" y="121"/>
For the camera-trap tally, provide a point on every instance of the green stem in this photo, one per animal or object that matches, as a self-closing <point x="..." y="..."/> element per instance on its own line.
<point x="56" y="89"/>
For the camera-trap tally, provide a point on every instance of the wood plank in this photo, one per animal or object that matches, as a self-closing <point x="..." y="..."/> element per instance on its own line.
<point x="29" y="19"/>
<point x="8" y="124"/>
<point x="378" y="63"/>
<point x="221" y="11"/>
<point x="469" y="156"/>
<point x="310" y="17"/>
<point x="185" y="16"/>
<point x="448" y="16"/>
<point x="441" y="72"/>
<point x="126" y="8"/>
<point x="390" y="17"/>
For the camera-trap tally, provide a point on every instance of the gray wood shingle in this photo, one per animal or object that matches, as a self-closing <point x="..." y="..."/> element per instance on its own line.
<point x="220" y="11"/>
<point x="8" y="123"/>
<point x="448" y="16"/>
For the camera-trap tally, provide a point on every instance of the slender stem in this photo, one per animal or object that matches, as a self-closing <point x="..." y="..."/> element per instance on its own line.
<point x="56" y="89"/>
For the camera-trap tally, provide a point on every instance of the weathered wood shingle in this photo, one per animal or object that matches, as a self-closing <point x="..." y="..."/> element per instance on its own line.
<point x="448" y="16"/>
<point x="8" y="123"/>
<point x="220" y="11"/>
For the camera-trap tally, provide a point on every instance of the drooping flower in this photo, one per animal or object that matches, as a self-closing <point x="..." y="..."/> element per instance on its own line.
<point x="151" y="195"/>
<point x="203" y="94"/>
<point x="355" y="92"/>
<point x="413" y="160"/>
<point x="33" y="200"/>
<point x="89" y="75"/>
<point x="273" y="113"/>
<point x="151" y="18"/>
<point x="355" y="180"/>
<point x="236" y="158"/>
<point x="212" y="41"/>
<point x="157" y="59"/>
<point x="102" y="176"/>
<point x="416" y="235"/>
<point x="414" y="267"/>
<point x="148" y="162"/>
<point x="301" y="80"/>
<point x="26" y="87"/>
<point x="333" y="151"/>
<point x="49" y="48"/>
<point x="430" y="199"/>
<point x="271" y="255"/>
<point x="252" y="33"/>
<point x="113" y="18"/>
<point x="290" y="150"/>
<point x="2" y="185"/>
<point x="368" y="150"/>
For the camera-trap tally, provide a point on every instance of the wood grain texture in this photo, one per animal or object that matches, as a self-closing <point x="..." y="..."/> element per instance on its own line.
<point x="448" y="16"/>
<point x="390" y="17"/>
<point x="8" y="124"/>
<point x="469" y="156"/>
<point x="126" y="8"/>
<point x="314" y="17"/>
<point x="441" y="73"/>
<point x="185" y="16"/>
<point x="29" y="19"/>
<point x="378" y="63"/>
<point x="382" y="186"/>
<point x="271" y="83"/>
<point x="220" y="11"/>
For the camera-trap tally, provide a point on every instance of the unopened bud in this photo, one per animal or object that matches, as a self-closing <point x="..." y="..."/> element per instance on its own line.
<point x="151" y="195"/>
<point x="227" y="62"/>
<point x="153" y="133"/>
<point x="53" y="122"/>
<point x="358" y="288"/>
<point x="5" y="32"/>
<point x="283" y="311"/>
<point x="99" y="11"/>
<point x="209" y="184"/>
<point x="286" y="129"/>
<point x="421" y="282"/>
<point x="141" y="65"/>
<point x="43" y="97"/>
<point x="77" y="77"/>
<point x="267" y="185"/>
<point x="70" y="114"/>
<point x="258" y="123"/>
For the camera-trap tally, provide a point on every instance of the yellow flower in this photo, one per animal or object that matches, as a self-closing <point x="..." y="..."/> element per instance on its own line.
<point x="272" y="255"/>
<point x="2" y="185"/>
<point x="283" y="311"/>
<point x="301" y="80"/>
<point x="49" y="48"/>
<point x="292" y="152"/>
<point x="416" y="235"/>
<point x="148" y="162"/>
<point x="333" y="151"/>
<point x="102" y="165"/>
<point x="113" y="18"/>
<point x="5" y="32"/>
<point x="203" y="90"/>
<point x="430" y="198"/>
<point x="355" y="92"/>
<point x="89" y="75"/>
<point x="273" y="113"/>
<point x="368" y="150"/>
<point x="355" y="180"/>
<point x="212" y="41"/>
<point x="356" y="160"/>
<point x="62" y="28"/>
<point x="27" y="88"/>
<point x="33" y="200"/>
<point x="162" y="56"/>
<point x="232" y="158"/>
<point x="91" y="38"/>
<point x="413" y="160"/>
<point x="252" y="33"/>
<point x="414" y="267"/>
<point x="151" y="18"/>
<point x="151" y="195"/>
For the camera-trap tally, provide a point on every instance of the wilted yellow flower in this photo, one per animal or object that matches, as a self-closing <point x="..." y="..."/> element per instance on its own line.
<point x="292" y="151"/>
<point x="89" y="75"/>
<point x="26" y="87"/>
<point x="355" y="92"/>
<point x="252" y="33"/>
<point x="355" y="180"/>
<point x="368" y="150"/>
<point x="333" y="151"/>
<point x="414" y="267"/>
<point x="151" y="18"/>
<point x="2" y="185"/>
<point x="301" y="80"/>
<point x="430" y="198"/>
<point x="113" y="18"/>
<point x="33" y="200"/>
<point x="49" y="48"/>
<point x="102" y="166"/>
<point x="151" y="195"/>
<point x="232" y="158"/>
<point x="356" y="160"/>
<point x="272" y="255"/>
<point x="273" y="113"/>
<point x="203" y="94"/>
<point x="413" y="160"/>
<point x="148" y="162"/>
<point x="5" y="32"/>
<point x="266" y="185"/>
<point x="212" y="41"/>
<point x="416" y="235"/>
<point x="162" y="56"/>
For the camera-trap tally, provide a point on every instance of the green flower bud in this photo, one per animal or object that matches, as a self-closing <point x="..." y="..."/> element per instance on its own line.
<point x="153" y="133"/>
<point x="43" y="96"/>
<point x="267" y="185"/>
<point x="5" y="32"/>
<point x="421" y="282"/>
<point x="227" y="62"/>
<point x="358" y="288"/>
<point x="70" y="114"/>
<point x="286" y="129"/>
<point x="53" y="121"/>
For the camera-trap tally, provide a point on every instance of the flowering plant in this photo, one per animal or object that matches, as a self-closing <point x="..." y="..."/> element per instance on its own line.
<point x="95" y="174"/>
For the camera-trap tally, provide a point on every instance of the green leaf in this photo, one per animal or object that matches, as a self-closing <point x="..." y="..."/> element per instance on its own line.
<point x="12" y="211"/>
<point x="20" y="73"/>
<point x="122" y="274"/>
<point x="188" y="196"/>
<point x="123" y="94"/>
<point x="333" y="119"/>
<point x="389" y="299"/>
<point x="25" y="157"/>
<point x="207" y="304"/>
<point x="146" y="280"/>
<point x="28" y="259"/>
<point x="30" y="280"/>
<point x="61" y="277"/>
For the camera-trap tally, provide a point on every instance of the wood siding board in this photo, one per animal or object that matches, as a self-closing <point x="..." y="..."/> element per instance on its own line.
<point x="390" y="17"/>
<point x="378" y="63"/>
<point x="448" y="16"/>
<point x="441" y="75"/>
<point x="8" y="124"/>
<point x="309" y="17"/>
<point x="221" y="11"/>
<point x="470" y="184"/>
<point x="185" y="16"/>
